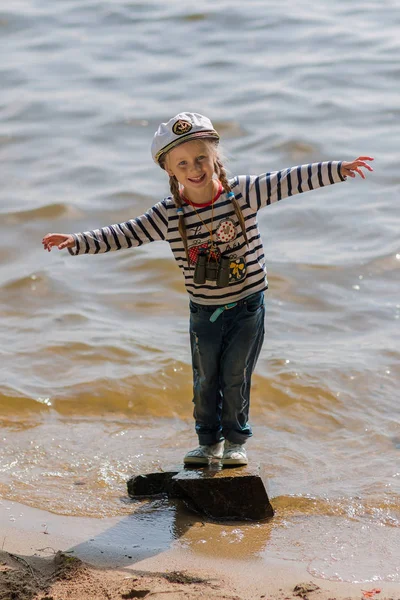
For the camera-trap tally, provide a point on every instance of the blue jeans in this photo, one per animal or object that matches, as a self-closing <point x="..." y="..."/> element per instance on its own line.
<point x="224" y="354"/>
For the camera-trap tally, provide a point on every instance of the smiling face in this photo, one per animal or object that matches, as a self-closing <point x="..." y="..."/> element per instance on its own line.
<point x="192" y="163"/>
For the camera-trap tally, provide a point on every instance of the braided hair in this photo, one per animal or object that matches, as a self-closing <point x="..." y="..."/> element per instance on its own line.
<point x="176" y="195"/>
<point x="221" y="174"/>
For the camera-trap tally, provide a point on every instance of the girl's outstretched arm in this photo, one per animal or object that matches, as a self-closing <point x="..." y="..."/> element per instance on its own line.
<point x="265" y="189"/>
<point x="149" y="227"/>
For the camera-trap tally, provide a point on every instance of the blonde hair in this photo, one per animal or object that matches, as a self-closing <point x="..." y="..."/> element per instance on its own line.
<point x="179" y="202"/>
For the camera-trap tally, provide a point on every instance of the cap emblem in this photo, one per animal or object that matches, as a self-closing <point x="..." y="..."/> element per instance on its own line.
<point x="181" y="127"/>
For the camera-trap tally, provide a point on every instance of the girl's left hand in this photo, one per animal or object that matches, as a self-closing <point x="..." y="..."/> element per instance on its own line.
<point x="351" y="168"/>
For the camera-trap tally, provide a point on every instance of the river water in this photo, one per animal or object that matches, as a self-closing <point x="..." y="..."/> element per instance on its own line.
<point x="95" y="375"/>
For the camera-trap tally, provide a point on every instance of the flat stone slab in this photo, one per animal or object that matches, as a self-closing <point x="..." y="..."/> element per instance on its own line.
<point x="229" y="493"/>
<point x="233" y="493"/>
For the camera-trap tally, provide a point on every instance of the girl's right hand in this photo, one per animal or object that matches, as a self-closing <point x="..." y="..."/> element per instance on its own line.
<point x="61" y="240"/>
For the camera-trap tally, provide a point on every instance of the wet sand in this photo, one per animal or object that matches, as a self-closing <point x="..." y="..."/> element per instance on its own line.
<point x="45" y="556"/>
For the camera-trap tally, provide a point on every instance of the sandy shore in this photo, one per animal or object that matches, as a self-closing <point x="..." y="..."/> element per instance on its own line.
<point x="46" y="556"/>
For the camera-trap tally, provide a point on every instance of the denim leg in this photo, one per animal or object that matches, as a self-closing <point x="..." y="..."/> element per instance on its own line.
<point x="243" y="338"/>
<point x="206" y="345"/>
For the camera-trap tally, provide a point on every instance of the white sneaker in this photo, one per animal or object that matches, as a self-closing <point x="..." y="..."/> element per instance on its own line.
<point x="202" y="454"/>
<point x="234" y="454"/>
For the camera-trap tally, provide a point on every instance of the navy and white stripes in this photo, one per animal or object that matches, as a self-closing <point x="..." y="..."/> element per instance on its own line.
<point x="252" y="192"/>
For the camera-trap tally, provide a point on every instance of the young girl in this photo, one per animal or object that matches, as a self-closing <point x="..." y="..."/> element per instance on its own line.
<point x="211" y="225"/>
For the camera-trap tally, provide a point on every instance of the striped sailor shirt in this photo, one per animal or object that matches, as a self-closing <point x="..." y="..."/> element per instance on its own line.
<point x="247" y="269"/>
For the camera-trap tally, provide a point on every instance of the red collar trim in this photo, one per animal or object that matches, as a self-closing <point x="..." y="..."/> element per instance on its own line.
<point x="220" y="190"/>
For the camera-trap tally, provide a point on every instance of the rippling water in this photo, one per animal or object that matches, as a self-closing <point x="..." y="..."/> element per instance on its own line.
<point x="95" y="376"/>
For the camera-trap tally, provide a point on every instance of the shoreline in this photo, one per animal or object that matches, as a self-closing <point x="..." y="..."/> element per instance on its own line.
<point x="115" y="560"/>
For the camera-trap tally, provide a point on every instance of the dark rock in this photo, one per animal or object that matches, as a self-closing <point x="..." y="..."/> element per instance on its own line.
<point x="230" y="493"/>
<point x="233" y="494"/>
<point x="151" y="484"/>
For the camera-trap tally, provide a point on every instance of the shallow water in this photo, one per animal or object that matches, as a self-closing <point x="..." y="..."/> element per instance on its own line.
<point x="95" y="376"/>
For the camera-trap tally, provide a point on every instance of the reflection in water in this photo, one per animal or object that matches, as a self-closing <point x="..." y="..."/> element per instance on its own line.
<point x="156" y="525"/>
<point x="324" y="544"/>
<point x="228" y="540"/>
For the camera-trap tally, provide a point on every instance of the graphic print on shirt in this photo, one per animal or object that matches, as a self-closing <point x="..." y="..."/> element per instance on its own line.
<point x="237" y="268"/>
<point x="195" y="248"/>
<point x="226" y="231"/>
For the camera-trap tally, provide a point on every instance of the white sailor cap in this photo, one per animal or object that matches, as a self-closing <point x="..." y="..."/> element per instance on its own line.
<point x="182" y="128"/>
